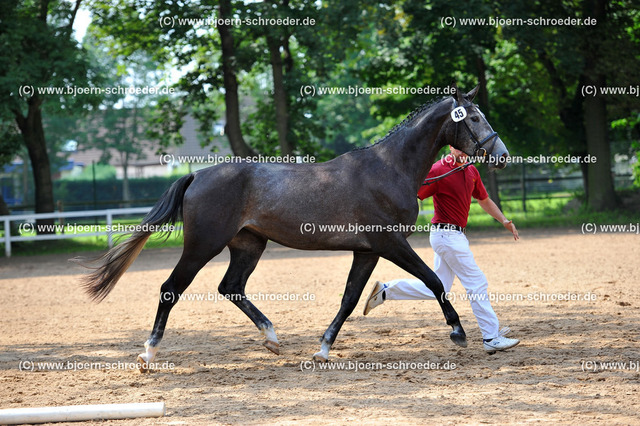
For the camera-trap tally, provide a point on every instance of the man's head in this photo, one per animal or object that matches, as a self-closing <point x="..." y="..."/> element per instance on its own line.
<point x="459" y="156"/>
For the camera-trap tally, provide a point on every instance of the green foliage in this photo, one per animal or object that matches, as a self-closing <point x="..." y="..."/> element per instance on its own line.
<point x="10" y="141"/>
<point x="319" y="54"/>
<point x="629" y="129"/>
<point x="80" y="191"/>
<point x="533" y="73"/>
<point x="37" y="51"/>
<point x="636" y="165"/>
<point x="165" y="122"/>
<point x="59" y="61"/>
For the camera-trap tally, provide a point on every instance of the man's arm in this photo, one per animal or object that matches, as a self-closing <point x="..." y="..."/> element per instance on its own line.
<point x="427" y="191"/>
<point x="490" y="207"/>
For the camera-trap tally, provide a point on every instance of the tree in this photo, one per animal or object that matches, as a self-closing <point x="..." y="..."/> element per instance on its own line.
<point x="518" y="64"/>
<point x="256" y="70"/>
<point x="584" y="56"/>
<point x="423" y="54"/>
<point x="39" y="52"/>
<point x="229" y="76"/>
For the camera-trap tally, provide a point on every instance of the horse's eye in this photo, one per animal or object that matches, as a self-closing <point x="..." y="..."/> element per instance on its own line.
<point x="475" y="119"/>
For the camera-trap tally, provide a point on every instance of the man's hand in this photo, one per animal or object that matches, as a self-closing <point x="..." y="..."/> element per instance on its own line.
<point x="512" y="228"/>
<point x="490" y="207"/>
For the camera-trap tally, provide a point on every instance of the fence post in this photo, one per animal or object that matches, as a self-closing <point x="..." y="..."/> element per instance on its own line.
<point x="523" y="187"/>
<point x="110" y="228"/>
<point x="7" y="237"/>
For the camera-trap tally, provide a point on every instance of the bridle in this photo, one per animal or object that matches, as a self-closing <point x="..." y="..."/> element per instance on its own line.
<point x="479" y="146"/>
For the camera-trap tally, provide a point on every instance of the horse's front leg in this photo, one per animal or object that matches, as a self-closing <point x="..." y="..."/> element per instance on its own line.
<point x="361" y="269"/>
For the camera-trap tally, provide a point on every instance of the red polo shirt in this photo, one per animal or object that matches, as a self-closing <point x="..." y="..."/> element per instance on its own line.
<point x="452" y="195"/>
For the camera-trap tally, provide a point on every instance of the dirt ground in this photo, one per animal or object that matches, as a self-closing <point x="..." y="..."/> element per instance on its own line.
<point x="577" y="363"/>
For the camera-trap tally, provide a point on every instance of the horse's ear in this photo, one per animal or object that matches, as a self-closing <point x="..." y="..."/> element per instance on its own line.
<point x="455" y="92"/>
<point x="472" y="94"/>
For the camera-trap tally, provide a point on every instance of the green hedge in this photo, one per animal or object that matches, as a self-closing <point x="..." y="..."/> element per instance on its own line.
<point x="72" y="192"/>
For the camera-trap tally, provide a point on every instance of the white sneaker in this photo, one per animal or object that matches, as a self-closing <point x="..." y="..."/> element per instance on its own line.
<point x="499" y="343"/>
<point x="376" y="297"/>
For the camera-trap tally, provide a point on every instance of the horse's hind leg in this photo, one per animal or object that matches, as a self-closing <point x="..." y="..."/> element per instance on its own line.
<point x="246" y="249"/>
<point x="181" y="277"/>
<point x="405" y="257"/>
<point x="361" y="269"/>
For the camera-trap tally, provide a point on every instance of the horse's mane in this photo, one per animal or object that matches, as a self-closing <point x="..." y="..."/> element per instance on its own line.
<point x="407" y="120"/>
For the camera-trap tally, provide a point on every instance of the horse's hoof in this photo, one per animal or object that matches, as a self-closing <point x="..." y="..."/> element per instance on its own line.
<point x="319" y="357"/>
<point x="143" y="365"/>
<point x="459" y="338"/>
<point x="272" y="346"/>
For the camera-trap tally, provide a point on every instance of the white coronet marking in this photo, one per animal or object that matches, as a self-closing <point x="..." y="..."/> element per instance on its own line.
<point x="150" y="353"/>
<point x="323" y="355"/>
<point x="269" y="334"/>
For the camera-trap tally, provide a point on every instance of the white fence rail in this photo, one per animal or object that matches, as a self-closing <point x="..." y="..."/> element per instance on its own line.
<point x="108" y="214"/>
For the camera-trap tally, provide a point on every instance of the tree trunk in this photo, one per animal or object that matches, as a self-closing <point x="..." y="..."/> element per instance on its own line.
<point x="600" y="189"/>
<point x="483" y="101"/>
<point x="570" y="110"/>
<point x="4" y="209"/>
<point x="33" y="136"/>
<point x="230" y="81"/>
<point x="279" y="96"/>
<point x="570" y="116"/>
<point x="584" y="169"/>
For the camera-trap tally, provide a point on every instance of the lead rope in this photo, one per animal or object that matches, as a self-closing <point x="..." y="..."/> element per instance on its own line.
<point x="434" y="179"/>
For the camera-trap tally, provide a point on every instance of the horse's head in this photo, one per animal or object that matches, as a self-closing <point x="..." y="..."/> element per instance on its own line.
<point x="469" y="131"/>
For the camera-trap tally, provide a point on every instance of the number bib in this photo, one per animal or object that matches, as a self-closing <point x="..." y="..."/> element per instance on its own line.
<point x="458" y="114"/>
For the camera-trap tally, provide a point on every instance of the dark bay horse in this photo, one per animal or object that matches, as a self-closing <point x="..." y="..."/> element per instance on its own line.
<point x="243" y="205"/>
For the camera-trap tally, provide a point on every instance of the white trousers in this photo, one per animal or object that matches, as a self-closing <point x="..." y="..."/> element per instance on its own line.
<point x="452" y="257"/>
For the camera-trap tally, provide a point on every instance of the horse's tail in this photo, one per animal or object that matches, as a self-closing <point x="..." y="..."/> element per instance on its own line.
<point x="115" y="262"/>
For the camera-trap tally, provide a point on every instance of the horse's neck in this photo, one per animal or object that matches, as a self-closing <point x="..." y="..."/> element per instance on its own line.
<point x="415" y="148"/>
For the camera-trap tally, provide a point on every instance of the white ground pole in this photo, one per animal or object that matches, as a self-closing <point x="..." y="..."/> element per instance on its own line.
<point x="76" y="413"/>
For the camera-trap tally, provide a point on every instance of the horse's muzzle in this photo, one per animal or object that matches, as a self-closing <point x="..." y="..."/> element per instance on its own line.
<point x="499" y="155"/>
